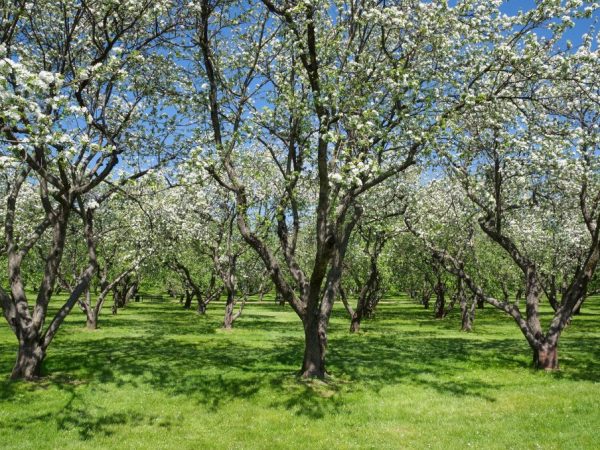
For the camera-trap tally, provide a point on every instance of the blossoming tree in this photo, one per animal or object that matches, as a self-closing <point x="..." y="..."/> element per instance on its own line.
<point x="76" y="103"/>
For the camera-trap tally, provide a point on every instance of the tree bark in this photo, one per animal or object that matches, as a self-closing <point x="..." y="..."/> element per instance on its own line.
<point x="355" y="322"/>
<point x="228" y="320"/>
<point x="545" y="357"/>
<point x="313" y="365"/>
<point x="91" y="313"/>
<point x="92" y="320"/>
<point x="440" y="300"/>
<point x="29" y="360"/>
<point x="577" y="308"/>
<point x="466" y="324"/>
<point x="91" y="316"/>
<point x="188" y="300"/>
<point x="467" y="311"/>
<point x="425" y="297"/>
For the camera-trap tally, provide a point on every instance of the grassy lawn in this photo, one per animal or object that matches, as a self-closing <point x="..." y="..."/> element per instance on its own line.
<point x="155" y="376"/>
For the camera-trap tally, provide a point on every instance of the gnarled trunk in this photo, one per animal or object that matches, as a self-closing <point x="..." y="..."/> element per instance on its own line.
<point x="315" y="342"/>
<point x="467" y="313"/>
<point x="355" y="316"/>
<point x="30" y="356"/>
<point x="228" y="320"/>
<point x="467" y="308"/>
<point x="466" y="324"/>
<point x="188" y="300"/>
<point x="91" y="313"/>
<point x="440" y="300"/>
<point x="92" y="319"/>
<point x="355" y="322"/>
<point x="545" y="357"/>
<point x="360" y="312"/>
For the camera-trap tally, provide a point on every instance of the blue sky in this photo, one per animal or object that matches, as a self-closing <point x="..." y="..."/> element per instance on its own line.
<point x="582" y="26"/>
<point x="574" y="34"/>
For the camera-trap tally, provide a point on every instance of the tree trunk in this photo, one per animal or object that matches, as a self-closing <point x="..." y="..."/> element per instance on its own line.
<point x="188" y="300"/>
<point x="466" y="324"/>
<point x="279" y="299"/>
<point x="131" y="292"/>
<point x="425" y="298"/>
<point x="466" y="314"/>
<point x="577" y="309"/>
<point x="228" y="320"/>
<point x="553" y="303"/>
<point x="545" y="357"/>
<point x="355" y="323"/>
<point x="313" y="365"/>
<point x="117" y="301"/>
<point x="91" y="314"/>
<point x="92" y="319"/>
<point x="440" y="301"/>
<point x="361" y="310"/>
<point x="29" y="360"/>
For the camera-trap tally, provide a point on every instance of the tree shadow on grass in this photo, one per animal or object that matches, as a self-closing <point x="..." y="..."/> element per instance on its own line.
<point x="244" y="363"/>
<point x="222" y="371"/>
<point x="580" y="359"/>
<point x="88" y="421"/>
<point x="315" y="399"/>
<point x="430" y="363"/>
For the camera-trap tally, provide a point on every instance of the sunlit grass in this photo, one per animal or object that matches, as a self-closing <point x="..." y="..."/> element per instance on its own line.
<point x="156" y="376"/>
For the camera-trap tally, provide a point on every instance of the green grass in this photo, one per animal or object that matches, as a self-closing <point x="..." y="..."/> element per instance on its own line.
<point x="155" y="376"/>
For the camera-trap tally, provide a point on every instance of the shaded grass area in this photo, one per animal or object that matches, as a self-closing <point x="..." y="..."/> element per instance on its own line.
<point x="156" y="376"/>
